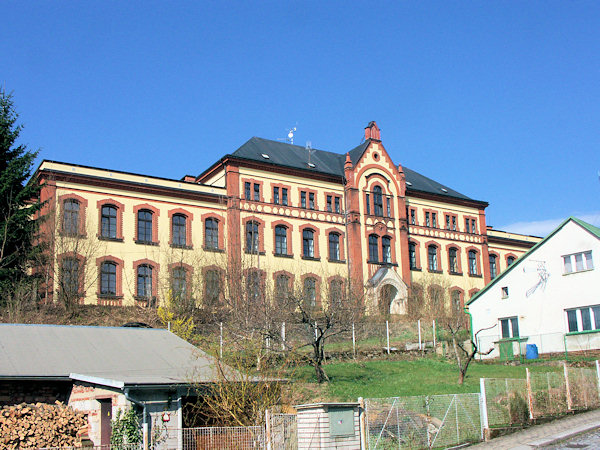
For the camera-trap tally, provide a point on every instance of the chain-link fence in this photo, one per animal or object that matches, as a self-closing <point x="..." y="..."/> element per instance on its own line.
<point x="548" y="394"/>
<point x="423" y="421"/>
<point x="505" y="401"/>
<point x="224" y="438"/>
<point x="583" y="388"/>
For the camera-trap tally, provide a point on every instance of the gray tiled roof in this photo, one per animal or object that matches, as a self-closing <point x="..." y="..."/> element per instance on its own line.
<point x="295" y="156"/>
<point x="127" y="355"/>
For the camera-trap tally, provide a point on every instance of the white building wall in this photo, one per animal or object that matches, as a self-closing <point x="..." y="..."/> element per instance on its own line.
<point x="541" y="315"/>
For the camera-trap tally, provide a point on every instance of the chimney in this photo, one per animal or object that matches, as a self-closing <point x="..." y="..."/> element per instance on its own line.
<point x="372" y="131"/>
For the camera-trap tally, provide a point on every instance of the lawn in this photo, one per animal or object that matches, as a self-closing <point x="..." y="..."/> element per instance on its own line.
<point x="428" y="375"/>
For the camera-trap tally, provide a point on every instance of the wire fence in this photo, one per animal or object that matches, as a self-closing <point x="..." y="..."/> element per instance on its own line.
<point x="283" y="432"/>
<point x="224" y="438"/>
<point x="426" y="421"/>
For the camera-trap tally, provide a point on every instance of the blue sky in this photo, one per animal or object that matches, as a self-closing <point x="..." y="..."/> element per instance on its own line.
<point x="499" y="100"/>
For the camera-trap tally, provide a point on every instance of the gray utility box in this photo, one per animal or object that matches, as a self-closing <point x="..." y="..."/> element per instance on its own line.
<point x="329" y="425"/>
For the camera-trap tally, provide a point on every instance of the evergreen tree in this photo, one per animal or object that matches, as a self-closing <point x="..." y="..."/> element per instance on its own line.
<point x="19" y="199"/>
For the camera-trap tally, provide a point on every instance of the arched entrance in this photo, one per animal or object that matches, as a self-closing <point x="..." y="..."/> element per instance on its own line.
<point x="387" y="294"/>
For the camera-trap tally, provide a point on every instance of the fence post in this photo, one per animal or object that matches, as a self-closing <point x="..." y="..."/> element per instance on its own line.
<point x="353" y="341"/>
<point x="268" y="428"/>
<point x="568" y="387"/>
<point x="221" y="340"/>
<point x="283" y="335"/>
<point x="434" y="335"/>
<point x="387" y="334"/>
<point x="362" y="423"/>
<point x="419" y="327"/>
<point x="483" y="410"/>
<point x="598" y="376"/>
<point x="529" y="394"/>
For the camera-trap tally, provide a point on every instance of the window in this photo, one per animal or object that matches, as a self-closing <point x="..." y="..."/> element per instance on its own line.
<point x="368" y="204"/>
<point x="276" y="195"/>
<point x="108" y="278"/>
<point x="211" y="233"/>
<point x="473" y="226"/>
<point x="308" y="243"/>
<point x="509" y="261"/>
<point x="144" y="281"/>
<point x="144" y="226"/>
<point x="69" y="277"/>
<point x="467" y="225"/>
<point x="432" y="257"/>
<point x="427" y="220"/>
<point x="509" y="327"/>
<point x="178" y="283"/>
<point x="586" y="318"/>
<point x="412" y="255"/>
<point x="329" y="203"/>
<point x="578" y="262"/>
<point x="373" y="248"/>
<point x="252" y="237"/>
<point x="377" y="201"/>
<point x="455" y="298"/>
<point x="388" y="207"/>
<point x="386" y="249"/>
<point x="493" y="267"/>
<point x="336" y="292"/>
<point x="212" y="287"/>
<point x="108" y="219"/>
<point x="256" y="192"/>
<point x="434" y="220"/>
<point x="247" y="187"/>
<point x="253" y="286"/>
<point x="303" y="199"/>
<point x="71" y="217"/>
<point x="280" y="240"/>
<point x="334" y="247"/>
<point x="282" y="287"/>
<point x="337" y="204"/>
<point x="311" y="200"/>
<point x="453" y="223"/>
<point x="413" y="217"/>
<point x="447" y="222"/>
<point x="453" y="260"/>
<point x="504" y="292"/>
<point x="179" y="226"/>
<point x="310" y="292"/>
<point x="284" y="196"/>
<point x="473" y="263"/>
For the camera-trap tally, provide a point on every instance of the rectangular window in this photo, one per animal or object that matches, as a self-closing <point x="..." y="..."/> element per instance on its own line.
<point x="427" y="220"/>
<point x="303" y="199"/>
<point x="473" y="226"/>
<point x="329" y="204"/>
<point x="388" y="207"/>
<point x="509" y="327"/>
<point x="284" y="196"/>
<point x="337" y="205"/>
<point x="586" y="318"/>
<point x="247" y="191"/>
<point x="368" y="204"/>
<point x="453" y="223"/>
<point x="256" y="192"/>
<point x="434" y="220"/>
<point x="276" y="195"/>
<point x="505" y="292"/>
<point x="447" y="222"/>
<point x="311" y="200"/>
<point x="467" y="223"/>
<point x="572" y="320"/>
<point x="413" y="217"/>
<point x="578" y="262"/>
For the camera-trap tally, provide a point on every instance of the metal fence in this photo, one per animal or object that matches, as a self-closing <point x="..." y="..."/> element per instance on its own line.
<point x="282" y="432"/>
<point x="427" y="421"/>
<point x="504" y="401"/>
<point x="224" y="438"/>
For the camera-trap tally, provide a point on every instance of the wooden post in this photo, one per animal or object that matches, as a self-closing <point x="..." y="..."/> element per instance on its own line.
<point x="362" y="423"/>
<point x="353" y="341"/>
<point x="568" y="387"/>
<point x="283" y="335"/>
<point x="387" y="333"/>
<point x="268" y="428"/>
<point x="529" y="394"/>
<point x="419" y="327"/>
<point x="485" y="426"/>
<point x="434" y="335"/>
<point x="221" y="340"/>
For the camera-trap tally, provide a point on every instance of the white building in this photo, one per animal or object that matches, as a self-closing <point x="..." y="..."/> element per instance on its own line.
<point x="549" y="297"/>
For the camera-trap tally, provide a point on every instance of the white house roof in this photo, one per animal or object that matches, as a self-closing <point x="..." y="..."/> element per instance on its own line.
<point x="594" y="231"/>
<point x="108" y="355"/>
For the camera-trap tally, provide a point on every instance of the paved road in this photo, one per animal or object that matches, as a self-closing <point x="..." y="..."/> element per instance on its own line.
<point x="543" y="436"/>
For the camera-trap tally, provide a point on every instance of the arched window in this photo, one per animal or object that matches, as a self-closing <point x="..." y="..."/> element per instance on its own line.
<point x="473" y="262"/>
<point x="308" y="243"/>
<point x="453" y="260"/>
<point x="144" y="281"/>
<point x="510" y="260"/>
<point x="377" y="201"/>
<point x="144" y="226"/>
<point x="212" y="287"/>
<point x="336" y="292"/>
<point x="432" y="257"/>
<point x="252" y="237"/>
<point x="373" y="248"/>
<point x="254" y="286"/>
<point x="71" y="217"/>
<point x="282" y="287"/>
<point x="310" y="292"/>
<point x="493" y="267"/>
<point x="179" y="231"/>
<point x="280" y="240"/>
<point x="456" y="303"/>
<point x="108" y="278"/>
<point x="412" y="255"/>
<point x="109" y="222"/>
<point x="334" y="247"/>
<point x="69" y="282"/>
<point x="211" y="233"/>
<point x="179" y="283"/>
<point x="386" y="249"/>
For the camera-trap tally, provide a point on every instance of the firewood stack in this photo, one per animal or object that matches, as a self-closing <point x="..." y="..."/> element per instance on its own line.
<point x="40" y="425"/>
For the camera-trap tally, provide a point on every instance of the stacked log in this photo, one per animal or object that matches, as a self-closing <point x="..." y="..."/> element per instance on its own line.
<point x="40" y="425"/>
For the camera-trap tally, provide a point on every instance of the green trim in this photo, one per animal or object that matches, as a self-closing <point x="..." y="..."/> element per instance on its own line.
<point x="514" y="339"/>
<point x="575" y="333"/>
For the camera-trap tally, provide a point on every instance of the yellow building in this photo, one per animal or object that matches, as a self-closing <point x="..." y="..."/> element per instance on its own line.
<point x="278" y="214"/>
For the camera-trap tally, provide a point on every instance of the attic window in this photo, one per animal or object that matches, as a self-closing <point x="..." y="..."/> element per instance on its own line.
<point x="408" y="183"/>
<point x="311" y="165"/>
<point x="264" y="155"/>
<point x="444" y="190"/>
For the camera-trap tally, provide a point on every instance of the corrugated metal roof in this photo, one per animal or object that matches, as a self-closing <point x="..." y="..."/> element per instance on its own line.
<point x="295" y="156"/>
<point x="129" y="355"/>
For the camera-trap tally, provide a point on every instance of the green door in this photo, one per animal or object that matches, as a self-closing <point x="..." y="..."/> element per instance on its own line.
<point x="506" y="351"/>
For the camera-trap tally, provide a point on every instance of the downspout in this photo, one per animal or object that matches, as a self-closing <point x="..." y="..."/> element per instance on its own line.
<point x="145" y="416"/>
<point x="180" y="423"/>
<point x="466" y="310"/>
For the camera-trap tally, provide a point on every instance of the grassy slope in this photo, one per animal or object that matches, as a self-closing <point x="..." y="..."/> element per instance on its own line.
<point x="350" y="380"/>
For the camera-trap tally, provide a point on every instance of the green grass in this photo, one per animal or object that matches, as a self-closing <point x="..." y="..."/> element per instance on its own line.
<point x="429" y="375"/>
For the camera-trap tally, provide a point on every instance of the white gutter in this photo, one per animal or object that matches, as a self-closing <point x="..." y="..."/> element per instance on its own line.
<point x="97" y="380"/>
